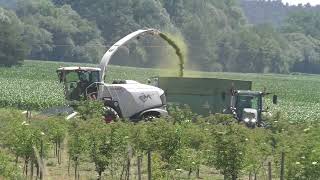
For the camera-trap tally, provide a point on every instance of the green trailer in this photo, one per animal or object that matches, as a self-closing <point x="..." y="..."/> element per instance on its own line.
<point x="204" y="95"/>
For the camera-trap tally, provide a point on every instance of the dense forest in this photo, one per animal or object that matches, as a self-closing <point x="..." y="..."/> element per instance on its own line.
<point x="274" y="12"/>
<point x="215" y="34"/>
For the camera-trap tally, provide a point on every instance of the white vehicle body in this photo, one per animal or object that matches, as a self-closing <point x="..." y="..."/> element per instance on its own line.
<point x="132" y="98"/>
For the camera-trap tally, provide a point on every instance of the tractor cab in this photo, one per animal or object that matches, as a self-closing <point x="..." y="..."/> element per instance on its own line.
<point x="78" y="81"/>
<point x="247" y="106"/>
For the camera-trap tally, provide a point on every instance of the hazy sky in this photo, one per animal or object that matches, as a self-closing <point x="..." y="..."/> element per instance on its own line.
<point x="312" y="2"/>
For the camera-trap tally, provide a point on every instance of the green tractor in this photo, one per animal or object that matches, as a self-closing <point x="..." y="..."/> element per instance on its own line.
<point x="247" y="107"/>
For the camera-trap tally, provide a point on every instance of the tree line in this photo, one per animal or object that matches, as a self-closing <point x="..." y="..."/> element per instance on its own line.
<point x="272" y="11"/>
<point x="215" y="34"/>
<point x="297" y="24"/>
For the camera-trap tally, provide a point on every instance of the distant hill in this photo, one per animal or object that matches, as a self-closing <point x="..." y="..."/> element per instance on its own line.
<point x="271" y="11"/>
<point x="214" y="35"/>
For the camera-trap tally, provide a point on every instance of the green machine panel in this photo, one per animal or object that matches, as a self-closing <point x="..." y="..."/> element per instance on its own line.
<point x="204" y="95"/>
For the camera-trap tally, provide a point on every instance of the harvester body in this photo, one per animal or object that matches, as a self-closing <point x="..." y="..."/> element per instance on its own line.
<point x="126" y="99"/>
<point x="132" y="99"/>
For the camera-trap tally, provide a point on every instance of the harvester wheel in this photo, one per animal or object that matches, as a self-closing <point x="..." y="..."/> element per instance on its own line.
<point x="150" y="116"/>
<point x="110" y="115"/>
<point x="92" y="96"/>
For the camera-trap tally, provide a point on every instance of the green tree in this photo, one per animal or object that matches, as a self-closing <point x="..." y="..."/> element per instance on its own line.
<point x="12" y="49"/>
<point x="7" y="170"/>
<point x="304" y="22"/>
<point x="230" y="148"/>
<point x="100" y="148"/>
<point x="59" y="33"/>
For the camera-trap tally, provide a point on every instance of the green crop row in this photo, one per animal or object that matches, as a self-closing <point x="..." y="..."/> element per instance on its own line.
<point x="30" y="94"/>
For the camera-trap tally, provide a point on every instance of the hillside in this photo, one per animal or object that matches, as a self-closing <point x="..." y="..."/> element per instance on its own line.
<point x="274" y="12"/>
<point x="214" y="35"/>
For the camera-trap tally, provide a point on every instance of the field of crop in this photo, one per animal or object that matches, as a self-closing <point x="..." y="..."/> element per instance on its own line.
<point x="177" y="145"/>
<point x="34" y="86"/>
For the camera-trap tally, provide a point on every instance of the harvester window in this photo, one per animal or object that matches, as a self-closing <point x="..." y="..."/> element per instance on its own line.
<point x="74" y="91"/>
<point x="83" y="80"/>
<point x="72" y="77"/>
<point x="84" y="76"/>
<point x="77" y="82"/>
<point x="94" y="77"/>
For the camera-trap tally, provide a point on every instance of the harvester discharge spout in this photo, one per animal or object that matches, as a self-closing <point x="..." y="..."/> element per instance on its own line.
<point x="108" y="55"/>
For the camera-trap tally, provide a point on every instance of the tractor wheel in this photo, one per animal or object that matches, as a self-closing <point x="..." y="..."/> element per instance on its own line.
<point x="110" y="115"/>
<point x="264" y="125"/>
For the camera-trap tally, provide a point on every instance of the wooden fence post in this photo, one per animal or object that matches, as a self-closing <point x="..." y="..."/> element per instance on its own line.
<point x="269" y="171"/>
<point x="149" y="166"/>
<point x="139" y="167"/>
<point x="282" y="166"/>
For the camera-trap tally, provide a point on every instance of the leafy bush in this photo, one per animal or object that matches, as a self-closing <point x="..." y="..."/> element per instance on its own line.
<point x="7" y="170"/>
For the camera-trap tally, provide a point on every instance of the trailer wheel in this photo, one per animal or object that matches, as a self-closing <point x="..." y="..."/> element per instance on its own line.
<point x="110" y="115"/>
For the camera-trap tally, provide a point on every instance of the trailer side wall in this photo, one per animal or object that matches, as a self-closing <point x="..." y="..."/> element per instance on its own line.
<point x="203" y="95"/>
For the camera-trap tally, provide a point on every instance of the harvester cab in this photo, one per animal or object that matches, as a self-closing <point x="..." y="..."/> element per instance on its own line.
<point x="125" y="99"/>
<point x="247" y="107"/>
<point x="78" y="82"/>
